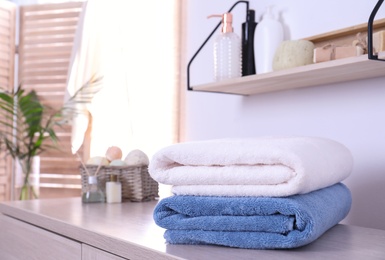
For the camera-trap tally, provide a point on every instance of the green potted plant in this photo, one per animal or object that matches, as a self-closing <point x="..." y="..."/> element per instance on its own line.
<point x="28" y="126"/>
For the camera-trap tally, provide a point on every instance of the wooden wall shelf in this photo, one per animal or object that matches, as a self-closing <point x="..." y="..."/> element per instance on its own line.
<point x="335" y="71"/>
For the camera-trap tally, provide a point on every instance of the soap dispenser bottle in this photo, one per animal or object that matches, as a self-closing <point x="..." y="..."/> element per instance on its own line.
<point x="227" y="51"/>
<point x="268" y="37"/>
<point x="248" y="56"/>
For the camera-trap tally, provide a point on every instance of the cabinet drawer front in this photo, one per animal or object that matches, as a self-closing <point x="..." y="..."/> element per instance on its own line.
<point x="19" y="240"/>
<point x="92" y="253"/>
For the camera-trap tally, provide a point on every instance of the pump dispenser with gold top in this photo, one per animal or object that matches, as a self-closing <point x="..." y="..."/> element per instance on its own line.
<point x="227" y="51"/>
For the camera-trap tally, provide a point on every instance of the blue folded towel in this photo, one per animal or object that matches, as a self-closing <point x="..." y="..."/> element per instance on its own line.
<point x="252" y="222"/>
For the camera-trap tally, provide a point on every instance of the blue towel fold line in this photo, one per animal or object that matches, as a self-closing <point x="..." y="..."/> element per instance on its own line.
<point x="253" y="222"/>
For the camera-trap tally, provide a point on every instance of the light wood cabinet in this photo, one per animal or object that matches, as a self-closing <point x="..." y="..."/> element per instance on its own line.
<point x="67" y="229"/>
<point x="92" y="253"/>
<point x="19" y="240"/>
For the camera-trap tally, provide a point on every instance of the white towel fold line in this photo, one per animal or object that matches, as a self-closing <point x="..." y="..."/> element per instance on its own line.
<point x="266" y="166"/>
<point x="282" y="190"/>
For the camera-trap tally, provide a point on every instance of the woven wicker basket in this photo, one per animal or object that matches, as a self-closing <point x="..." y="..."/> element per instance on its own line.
<point x="137" y="184"/>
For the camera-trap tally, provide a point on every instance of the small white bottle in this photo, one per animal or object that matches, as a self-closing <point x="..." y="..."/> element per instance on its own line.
<point x="227" y="51"/>
<point x="113" y="189"/>
<point x="268" y="37"/>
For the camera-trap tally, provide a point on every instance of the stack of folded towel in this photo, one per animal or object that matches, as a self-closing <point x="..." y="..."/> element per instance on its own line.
<point x="262" y="193"/>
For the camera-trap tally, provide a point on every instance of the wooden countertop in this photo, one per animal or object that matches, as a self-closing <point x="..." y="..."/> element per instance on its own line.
<point x="128" y="230"/>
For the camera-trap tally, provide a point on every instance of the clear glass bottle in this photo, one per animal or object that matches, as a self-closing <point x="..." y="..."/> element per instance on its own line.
<point x="227" y="51"/>
<point x="93" y="193"/>
<point x="113" y="189"/>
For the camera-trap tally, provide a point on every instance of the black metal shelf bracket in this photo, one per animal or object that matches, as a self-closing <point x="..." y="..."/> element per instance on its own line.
<point x="207" y="39"/>
<point x="372" y="56"/>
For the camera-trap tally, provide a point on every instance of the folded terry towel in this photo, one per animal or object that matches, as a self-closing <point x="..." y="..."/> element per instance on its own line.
<point x="269" y="166"/>
<point x="252" y="222"/>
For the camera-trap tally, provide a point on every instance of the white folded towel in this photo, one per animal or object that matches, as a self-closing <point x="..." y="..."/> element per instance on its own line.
<point x="266" y="166"/>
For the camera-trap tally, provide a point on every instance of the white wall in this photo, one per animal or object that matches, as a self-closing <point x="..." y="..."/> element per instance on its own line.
<point x="352" y="113"/>
<point x="32" y="2"/>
